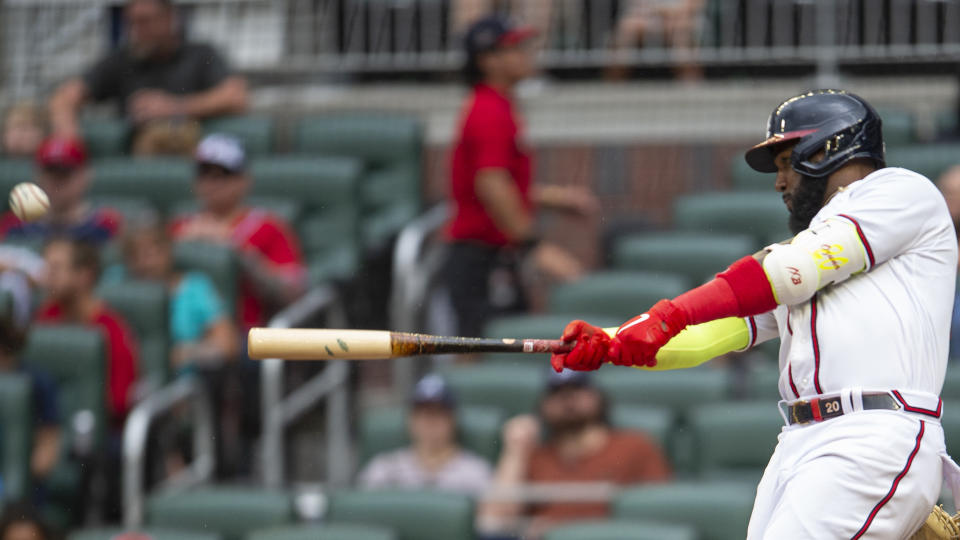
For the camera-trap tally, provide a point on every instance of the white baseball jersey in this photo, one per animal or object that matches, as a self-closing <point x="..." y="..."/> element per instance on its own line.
<point x="887" y="327"/>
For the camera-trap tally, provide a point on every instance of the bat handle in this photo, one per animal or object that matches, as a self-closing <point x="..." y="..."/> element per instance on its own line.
<point x="554" y="346"/>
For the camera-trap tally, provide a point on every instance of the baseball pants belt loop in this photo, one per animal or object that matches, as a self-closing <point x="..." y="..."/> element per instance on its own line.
<point x="820" y="408"/>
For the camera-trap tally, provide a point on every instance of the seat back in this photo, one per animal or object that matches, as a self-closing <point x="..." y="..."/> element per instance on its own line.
<point x="218" y="262"/>
<point x="144" y="305"/>
<point x="718" y="510"/>
<point x="16" y="434"/>
<point x="676" y="389"/>
<point x="930" y="160"/>
<point x="75" y="357"/>
<point x="735" y="436"/>
<point x="105" y="137"/>
<point x="621" y="530"/>
<point x="744" y="178"/>
<point x="256" y="132"/>
<point x="12" y="172"/>
<point x="697" y="256"/>
<point x="512" y="388"/>
<point x="656" y="422"/>
<point x="413" y="515"/>
<point x="327" y="531"/>
<point x="621" y="295"/>
<point x="384" y="429"/>
<point x="162" y="181"/>
<point x="229" y="512"/>
<point x="756" y="214"/>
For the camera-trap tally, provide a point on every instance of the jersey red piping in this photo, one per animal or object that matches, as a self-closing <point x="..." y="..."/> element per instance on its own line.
<point x="753" y="332"/>
<point x="816" y="344"/>
<point x="919" y="410"/>
<point x="863" y="238"/>
<point x="790" y="375"/>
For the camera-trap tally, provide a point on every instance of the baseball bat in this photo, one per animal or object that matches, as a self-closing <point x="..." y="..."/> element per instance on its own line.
<point x="330" y="344"/>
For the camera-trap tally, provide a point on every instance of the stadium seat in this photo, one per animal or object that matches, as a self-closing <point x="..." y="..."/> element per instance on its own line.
<point x="385" y="429"/>
<point x="133" y="209"/>
<point x="677" y="389"/>
<point x="16" y="427"/>
<point x="143" y="304"/>
<point x="899" y="127"/>
<point x="744" y="178"/>
<point x="105" y="137"/>
<point x="718" y="510"/>
<point x="218" y="262"/>
<point x="735" y="437"/>
<point x="537" y="327"/>
<point x="413" y="515"/>
<point x="951" y="384"/>
<point x="283" y="208"/>
<point x="229" y="511"/>
<point x="514" y="389"/>
<point x="162" y="181"/>
<point x="12" y="172"/>
<point x="255" y="131"/>
<point x="696" y="256"/>
<point x="391" y="148"/>
<point x="151" y="533"/>
<point x="327" y="531"/>
<point x="763" y="380"/>
<point x="757" y="214"/>
<point x="930" y="160"/>
<point x="621" y="294"/>
<point x="657" y="422"/>
<point x="621" y="530"/>
<point x="950" y="421"/>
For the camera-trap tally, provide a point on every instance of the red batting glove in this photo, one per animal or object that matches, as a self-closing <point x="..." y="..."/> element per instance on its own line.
<point x="591" y="345"/>
<point x="639" y="339"/>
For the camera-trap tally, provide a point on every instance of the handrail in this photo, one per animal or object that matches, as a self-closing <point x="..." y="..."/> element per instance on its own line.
<point x="412" y="276"/>
<point x="278" y="411"/>
<point x="135" y="433"/>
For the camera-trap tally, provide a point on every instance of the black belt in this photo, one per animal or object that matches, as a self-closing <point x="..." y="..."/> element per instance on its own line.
<point x="820" y="409"/>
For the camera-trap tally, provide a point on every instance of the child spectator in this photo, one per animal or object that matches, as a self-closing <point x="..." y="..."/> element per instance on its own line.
<point x="24" y="128"/>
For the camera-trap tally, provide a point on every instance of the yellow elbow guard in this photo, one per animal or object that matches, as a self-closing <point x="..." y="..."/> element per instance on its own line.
<point x="699" y="343"/>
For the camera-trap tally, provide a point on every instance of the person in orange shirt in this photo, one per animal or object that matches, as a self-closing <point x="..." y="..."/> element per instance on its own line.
<point x="581" y="446"/>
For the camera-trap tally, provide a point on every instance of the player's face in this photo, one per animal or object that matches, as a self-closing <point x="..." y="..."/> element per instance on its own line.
<point x="788" y="180"/>
<point x="219" y="190"/>
<point x="150" y="25"/>
<point x="65" y="188"/>
<point x="432" y="426"/>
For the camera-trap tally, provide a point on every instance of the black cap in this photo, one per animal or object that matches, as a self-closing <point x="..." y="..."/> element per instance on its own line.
<point x="494" y="31"/>
<point x="433" y="389"/>
<point x="567" y="378"/>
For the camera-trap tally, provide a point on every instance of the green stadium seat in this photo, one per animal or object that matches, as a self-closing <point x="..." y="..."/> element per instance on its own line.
<point x="152" y="534"/>
<point x="385" y="429"/>
<point x="133" y="209"/>
<point x="218" y="262"/>
<point x="327" y="531"/>
<point x="718" y="510"/>
<point x="657" y="422"/>
<point x="413" y="515"/>
<point x="255" y="131"/>
<point x="735" y="436"/>
<point x="950" y="421"/>
<point x="621" y="530"/>
<point x="757" y="214"/>
<point x="514" y="389"/>
<point x="162" y="181"/>
<point x="899" y="127"/>
<point x="12" y="172"/>
<point x="951" y="383"/>
<point x="695" y="256"/>
<point x="105" y="137"/>
<point x="231" y="512"/>
<point x="622" y="295"/>
<point x="391" y="148"/>
<point x="930" y="160"/>
<point x="287" y="210"/>
<point x="16" y="434"/>
<point x="677" y="389"/>
<point x="143" y="304"/>
<point x="75" y="358"/>
<point x="744" y="178"/>
<point x="763" y="380"/>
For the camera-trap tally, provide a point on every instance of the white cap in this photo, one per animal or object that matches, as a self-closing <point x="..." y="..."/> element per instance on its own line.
<point x="222" y="150"/>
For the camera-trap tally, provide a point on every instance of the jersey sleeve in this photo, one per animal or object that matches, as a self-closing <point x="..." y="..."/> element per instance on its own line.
<point x="761" y="328"/>
<point x="890" y="214"/>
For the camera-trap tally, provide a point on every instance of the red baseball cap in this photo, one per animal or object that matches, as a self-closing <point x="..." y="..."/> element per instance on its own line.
<point x="64" y="153"/>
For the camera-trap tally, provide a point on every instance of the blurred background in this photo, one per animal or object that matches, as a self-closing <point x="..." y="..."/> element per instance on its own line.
<point x="215" y="165"/>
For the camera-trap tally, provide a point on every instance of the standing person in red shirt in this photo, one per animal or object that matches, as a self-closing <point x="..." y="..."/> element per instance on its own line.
<point x="494" y="221"/>
<point x="72" y="272"/>
<point x="273" y="270"/>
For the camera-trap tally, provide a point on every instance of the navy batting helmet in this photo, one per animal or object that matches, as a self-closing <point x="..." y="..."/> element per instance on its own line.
<point x="841" y="124"/>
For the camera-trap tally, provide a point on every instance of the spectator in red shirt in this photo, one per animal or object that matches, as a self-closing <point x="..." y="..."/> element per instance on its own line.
<point x="62" y="172"/>
<point x="494" y="221"/>
<point x="273" y="270"/>
<point x="72" y="272"/>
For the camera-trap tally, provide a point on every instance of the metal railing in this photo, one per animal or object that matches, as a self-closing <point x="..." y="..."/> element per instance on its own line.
<point x="135" y="433"/>
<point x="280" y="411"/>
<point x="414" y="270"/>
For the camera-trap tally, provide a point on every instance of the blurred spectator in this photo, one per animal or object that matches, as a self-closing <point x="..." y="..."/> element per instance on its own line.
<point x="949" y="184"/>
<point x="580" y="447"/>
<point x="72" y="272"/>
<point x="273" y="270"/>
<point x="62" y="172"/>
<point x="494" y="221"/>
<point x="155" y="76"/>
<point x="201" y="330"/>
<point x="24" y="128"/>
<point x="21" y="521"/>
<point x="671" y="23"/>
<point x="434" y="460"/>
<point x="46" y="415"/>
<point x="536" y="12"/>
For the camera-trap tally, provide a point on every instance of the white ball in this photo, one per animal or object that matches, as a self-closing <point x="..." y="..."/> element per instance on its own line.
<point x="28" y="201"/>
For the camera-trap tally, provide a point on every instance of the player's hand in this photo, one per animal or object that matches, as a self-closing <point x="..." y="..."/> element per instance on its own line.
<point x="638" y="340"/>
<point x="590" y="348"/>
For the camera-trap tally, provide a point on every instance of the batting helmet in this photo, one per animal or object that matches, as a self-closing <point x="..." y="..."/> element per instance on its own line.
<point x="841" y="124"/>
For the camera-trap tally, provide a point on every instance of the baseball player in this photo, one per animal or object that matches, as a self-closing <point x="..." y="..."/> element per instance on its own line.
<point x="861" y="300"/>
